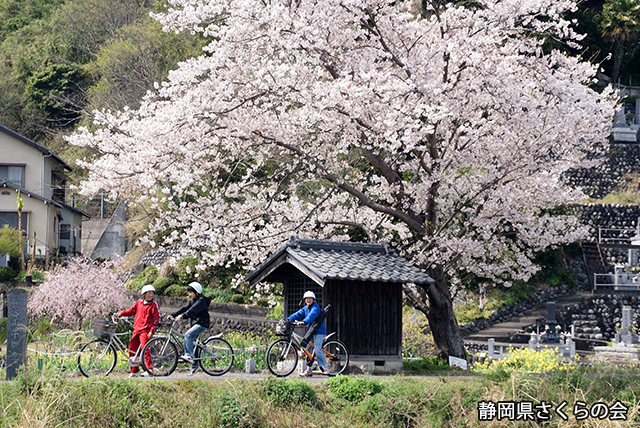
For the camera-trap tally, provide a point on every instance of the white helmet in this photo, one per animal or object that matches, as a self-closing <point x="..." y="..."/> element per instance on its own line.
<point x="195" y="286"/>
<point x="309" y="294"/>
<point x="147" y="288"/>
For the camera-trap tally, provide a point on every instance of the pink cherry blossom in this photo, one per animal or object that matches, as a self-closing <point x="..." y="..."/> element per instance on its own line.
<point x="78" y="292"/>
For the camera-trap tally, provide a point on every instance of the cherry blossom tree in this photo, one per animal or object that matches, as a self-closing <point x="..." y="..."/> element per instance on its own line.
<point x="440" y="127"/>
<point x="79" y="291"/>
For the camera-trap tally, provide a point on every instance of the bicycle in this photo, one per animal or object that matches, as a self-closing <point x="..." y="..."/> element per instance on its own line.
<point x="100" y="356"/>
<point x="282" y="355"/>
<point x="214" y="355"/>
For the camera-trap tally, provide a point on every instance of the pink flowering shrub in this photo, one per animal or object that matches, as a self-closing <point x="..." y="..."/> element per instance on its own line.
<point x="78" y="292"/>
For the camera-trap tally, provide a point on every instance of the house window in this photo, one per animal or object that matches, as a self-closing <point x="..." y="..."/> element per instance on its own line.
<point x="13" y="174"/>
<point x="11" y="219"/>
<point x="65" y="231"/>
<point x="295" y="289"/>
<point x="58" y="186"/>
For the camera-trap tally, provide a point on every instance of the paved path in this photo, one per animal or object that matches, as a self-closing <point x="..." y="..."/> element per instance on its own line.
<point x="504" y="330"/>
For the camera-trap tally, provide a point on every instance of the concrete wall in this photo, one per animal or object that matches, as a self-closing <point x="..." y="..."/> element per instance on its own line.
<point x="113" y="240"/>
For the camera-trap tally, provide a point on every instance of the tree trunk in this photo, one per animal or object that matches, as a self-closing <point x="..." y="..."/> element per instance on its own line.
<point x="436" y="303"/>
<point x="617" y="62"/>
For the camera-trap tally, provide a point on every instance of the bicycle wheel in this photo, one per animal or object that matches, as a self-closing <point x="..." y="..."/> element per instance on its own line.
<point x="216" y="356"/>
<point x="163" y="354"/>
<point x="282" y="358"/>
<point x="337" y="356"/>
<point x="97" y="358"/>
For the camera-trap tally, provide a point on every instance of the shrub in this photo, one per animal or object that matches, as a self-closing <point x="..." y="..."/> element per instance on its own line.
<point x="237" y="298"/>
<point x="186" y="270"/>
<point x="175" y="290"/>
<point x="276" y="313"/>
<point x="288" y="392"/>
<point x="237" y="411"/>
<point x="3" y="329"/>
<point x="147" y="276"/>
<point x="10" y="241"/>
<point x="36" y="276"/>
<point x="218" y="296"/>
<point x="7" y="274"/>
<point x="353" y="389"/>
<point x="425" y="365"/>
<point x="161" y="284"/>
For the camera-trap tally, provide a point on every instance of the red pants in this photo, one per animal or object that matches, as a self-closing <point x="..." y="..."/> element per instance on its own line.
<point x="138" y="341"/>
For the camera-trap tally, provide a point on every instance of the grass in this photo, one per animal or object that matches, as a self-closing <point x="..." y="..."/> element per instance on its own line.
<point x="54" y="400"/>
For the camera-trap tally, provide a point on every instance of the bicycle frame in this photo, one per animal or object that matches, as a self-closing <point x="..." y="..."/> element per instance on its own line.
<point x="178" y="339"/>
<point x="119" y="346"/>
<point x="283" y="354"/>
<point x="296" y="341"/>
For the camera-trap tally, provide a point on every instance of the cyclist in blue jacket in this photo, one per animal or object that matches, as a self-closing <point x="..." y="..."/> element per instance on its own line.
<point x="306" y="316"/>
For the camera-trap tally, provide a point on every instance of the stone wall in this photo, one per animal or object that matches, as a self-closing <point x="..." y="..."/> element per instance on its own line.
<point x="599" y="181"/>
<point x="614" y="216"/>
<point x="226" y="317"/>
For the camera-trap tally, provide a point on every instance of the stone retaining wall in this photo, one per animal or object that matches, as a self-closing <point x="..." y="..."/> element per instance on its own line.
<point x="226" y="317"/>
<point x="599" y="181"/>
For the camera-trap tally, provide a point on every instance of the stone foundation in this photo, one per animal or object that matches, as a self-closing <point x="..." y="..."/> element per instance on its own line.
<point x="618" y="352"/>
<point x="374" y="364"/>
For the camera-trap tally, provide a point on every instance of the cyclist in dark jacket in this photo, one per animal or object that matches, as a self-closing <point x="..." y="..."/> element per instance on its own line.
<point x="197" y="311"/>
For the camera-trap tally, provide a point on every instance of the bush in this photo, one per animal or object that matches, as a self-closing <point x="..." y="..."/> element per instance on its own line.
<point x="353" y="389"/>
<point x="10" y="241"/>
<point x="175" y="290"/>
<point x="288" y="392"/>
<point x="276" y="313"/>
<point x="236" y="411"/>
<point x="36" y="276"/>
<point x="425" y="365"/>
<point x="147" y="276"/>
<point x="237" y="298"/>
<point x="218" y="296"/>
<point x="7" y="274"/>
<point x="3" y="329"/>
<point x="186" y="270"/>
<point x="161" y="284"/>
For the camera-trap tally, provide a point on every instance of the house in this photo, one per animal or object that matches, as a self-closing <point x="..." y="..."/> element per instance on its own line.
<point x="51" y="225"/>
<point x="363" y="285"/>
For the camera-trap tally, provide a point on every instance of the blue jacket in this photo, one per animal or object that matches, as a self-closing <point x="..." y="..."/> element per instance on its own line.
<point x="308" y="314"/>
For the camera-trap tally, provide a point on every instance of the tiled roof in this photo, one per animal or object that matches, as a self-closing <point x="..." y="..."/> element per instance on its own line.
<point x="324" y="260"/>
<point x="32" y="143"/>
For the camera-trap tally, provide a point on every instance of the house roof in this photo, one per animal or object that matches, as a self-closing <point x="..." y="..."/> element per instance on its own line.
<point x="5" y="183"/>
<point x="323" y="260"/>
<point x="40" y="148"/>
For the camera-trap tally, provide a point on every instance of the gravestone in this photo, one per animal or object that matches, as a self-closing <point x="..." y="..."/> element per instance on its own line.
<point x="16" y="331"/>
<point x="551" y="335"/>
<point x="625" y="333"/>
<point x="250" y="365"/>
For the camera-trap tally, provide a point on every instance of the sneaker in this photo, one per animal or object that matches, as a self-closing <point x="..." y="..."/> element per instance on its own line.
<point x="306" y="373"/>
<point x="188" y="358"/>
<point x="193" y="371"/>
<point x="145" y="374"/>
<point x="132" y="374"/>
<point x="325" y="370"/>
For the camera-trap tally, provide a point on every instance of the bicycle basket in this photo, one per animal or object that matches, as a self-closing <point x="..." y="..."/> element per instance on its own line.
<point x="104" y="329"/>
<point x="284" y="327"/>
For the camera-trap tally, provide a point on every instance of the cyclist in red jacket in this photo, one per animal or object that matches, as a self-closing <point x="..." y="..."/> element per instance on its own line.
<point x="147" y="313"/>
